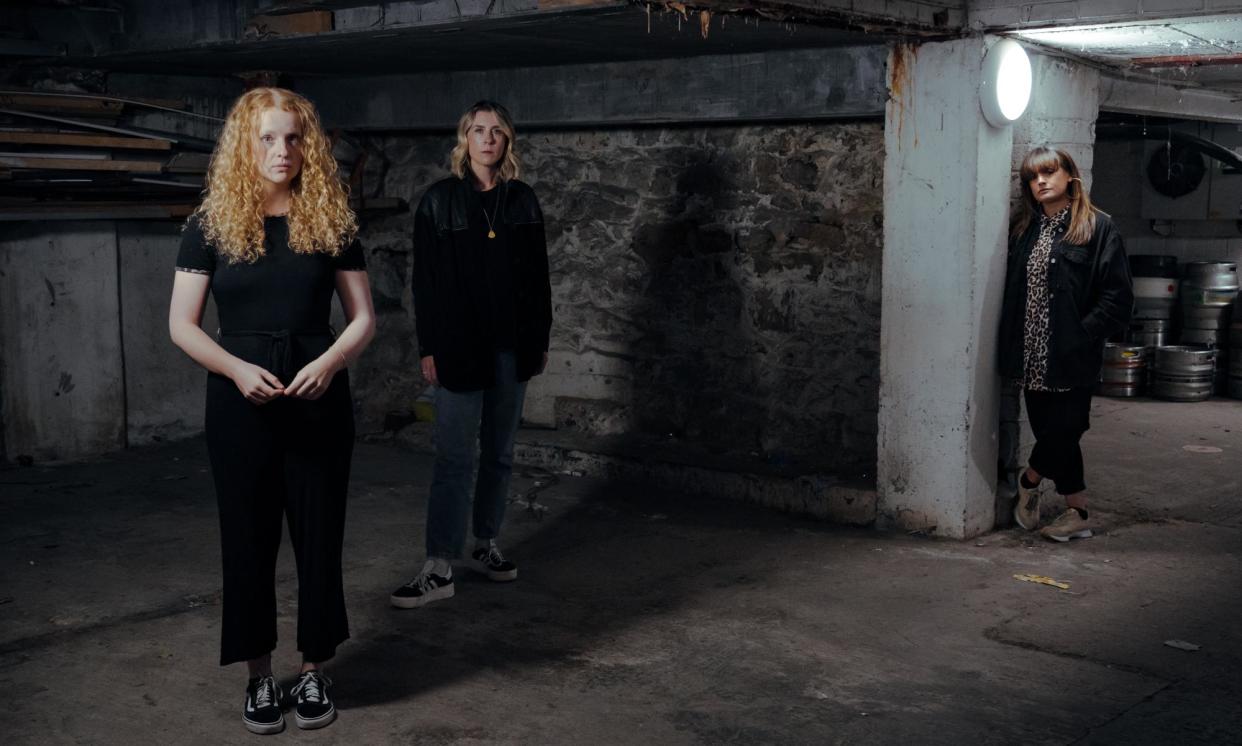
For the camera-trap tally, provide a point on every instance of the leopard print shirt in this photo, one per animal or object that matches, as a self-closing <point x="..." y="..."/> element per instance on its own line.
<point x="1037" y="328"/>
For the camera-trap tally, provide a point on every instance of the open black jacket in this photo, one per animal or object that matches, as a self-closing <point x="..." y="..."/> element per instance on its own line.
<point x="1090" y="298"/>
<point x="450" y="320"/>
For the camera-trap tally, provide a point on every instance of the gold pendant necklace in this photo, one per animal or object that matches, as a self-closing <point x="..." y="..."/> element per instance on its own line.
<point x="491" y="232"/>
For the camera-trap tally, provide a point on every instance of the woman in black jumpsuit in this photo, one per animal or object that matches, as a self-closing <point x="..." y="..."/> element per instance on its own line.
<point x="279" y="418"/>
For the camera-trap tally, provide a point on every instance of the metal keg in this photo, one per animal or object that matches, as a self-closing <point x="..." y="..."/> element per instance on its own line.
<point x="1150" y="332"/>
<point x="1208" y="289"/>
<point x="1203" y="337"/>
<point x="1154" y="297"/>
<point x="1183" y="373"/>
<point x="1124" y="371"/>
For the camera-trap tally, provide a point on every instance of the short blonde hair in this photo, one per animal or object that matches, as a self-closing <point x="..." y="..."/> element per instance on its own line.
<point x="459" y="159"/>
<point x="231" y="214"/>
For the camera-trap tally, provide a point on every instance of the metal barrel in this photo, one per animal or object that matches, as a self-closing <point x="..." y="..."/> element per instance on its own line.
<point x="1208" y="290"/>
<point x="1154" y="297"/>
<point x="1150" y="332"/>
<point x="1184" y="373"/>
<point x="1124" y="372"/>
<point x="1204" y="337"/>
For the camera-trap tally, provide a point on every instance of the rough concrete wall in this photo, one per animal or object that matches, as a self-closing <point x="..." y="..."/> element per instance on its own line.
<point x="717" y="285"/>
<point x="61" y="379"/>
<point x="163" y="386"/>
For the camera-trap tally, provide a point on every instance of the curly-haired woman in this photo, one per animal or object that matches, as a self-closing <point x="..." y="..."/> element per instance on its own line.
<point x="272" y="240"/>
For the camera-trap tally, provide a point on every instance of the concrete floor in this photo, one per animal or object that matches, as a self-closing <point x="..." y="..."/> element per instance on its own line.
<point x="650" y="618"/>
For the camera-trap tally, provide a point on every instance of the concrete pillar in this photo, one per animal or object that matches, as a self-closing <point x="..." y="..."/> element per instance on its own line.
<point x="946" y="211"/>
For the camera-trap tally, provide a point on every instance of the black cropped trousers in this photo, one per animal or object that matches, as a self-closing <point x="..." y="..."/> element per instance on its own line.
<point x="1058" y="421"/>
<point x="286" y="459"/>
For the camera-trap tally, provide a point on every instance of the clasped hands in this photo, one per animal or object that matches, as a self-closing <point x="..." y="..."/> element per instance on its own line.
<point x="260" y="386"/>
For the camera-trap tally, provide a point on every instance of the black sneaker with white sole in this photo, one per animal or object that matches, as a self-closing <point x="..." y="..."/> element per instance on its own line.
<point x="427" y="586"/>
<point x="314" y="708"/>
<point x="489" y="561"/>
<point x="261" y="714"/>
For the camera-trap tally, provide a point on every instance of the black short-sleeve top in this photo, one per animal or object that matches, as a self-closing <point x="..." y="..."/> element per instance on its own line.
<point x="282" y="290"/>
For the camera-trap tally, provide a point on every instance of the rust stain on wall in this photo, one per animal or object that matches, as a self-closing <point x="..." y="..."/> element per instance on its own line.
<point x="901" y="81"/>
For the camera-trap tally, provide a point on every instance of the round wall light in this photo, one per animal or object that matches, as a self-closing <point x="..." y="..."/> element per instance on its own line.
<point x="1006" y="87"/>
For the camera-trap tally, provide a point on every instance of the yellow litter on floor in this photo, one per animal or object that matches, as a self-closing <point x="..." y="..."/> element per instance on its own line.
<point x="1043" y="580"/>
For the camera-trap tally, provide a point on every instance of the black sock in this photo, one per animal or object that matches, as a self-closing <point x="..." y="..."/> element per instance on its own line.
<point x="1026" y="483"/>
<point x="1082" y="512"/>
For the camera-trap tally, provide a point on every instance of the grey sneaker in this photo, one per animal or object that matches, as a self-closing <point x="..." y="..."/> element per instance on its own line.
<point x="1068" y="525"/>
<point x="1026" y="508"/>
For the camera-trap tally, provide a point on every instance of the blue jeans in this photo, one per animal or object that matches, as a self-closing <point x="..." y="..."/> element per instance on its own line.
<point x="485" y="421"/>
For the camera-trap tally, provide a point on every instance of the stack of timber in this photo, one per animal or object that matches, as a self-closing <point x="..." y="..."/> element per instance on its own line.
<point x="71" y="157"/>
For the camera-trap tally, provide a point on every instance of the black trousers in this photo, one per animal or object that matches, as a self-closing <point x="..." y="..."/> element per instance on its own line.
<point x="1058" y="419"/>
<point x="287" y="458"/>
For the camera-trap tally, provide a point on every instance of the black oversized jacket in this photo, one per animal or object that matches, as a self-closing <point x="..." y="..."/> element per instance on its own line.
<point x="1090" y="297"/>
<point x="450" y="307"/>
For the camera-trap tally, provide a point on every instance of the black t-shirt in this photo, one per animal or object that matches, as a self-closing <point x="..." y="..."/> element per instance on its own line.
<point x="495" y="261"/>
<point x="282" y="290"/>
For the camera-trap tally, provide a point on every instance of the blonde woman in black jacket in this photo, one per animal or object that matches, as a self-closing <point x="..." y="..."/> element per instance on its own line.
<point x="1067" y="289"/>
<point x="483" y="308"/>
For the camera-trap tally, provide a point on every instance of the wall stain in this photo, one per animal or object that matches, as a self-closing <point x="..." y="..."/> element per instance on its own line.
<point x="66" y="384"/>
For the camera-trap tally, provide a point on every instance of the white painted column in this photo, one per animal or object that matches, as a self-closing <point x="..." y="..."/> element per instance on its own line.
<point x="946" y="211"/>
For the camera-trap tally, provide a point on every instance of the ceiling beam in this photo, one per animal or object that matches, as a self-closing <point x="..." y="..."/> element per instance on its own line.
<point x="806" y="84"/>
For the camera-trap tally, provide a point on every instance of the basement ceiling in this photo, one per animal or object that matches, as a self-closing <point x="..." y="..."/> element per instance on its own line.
<point x="580" y="36"/>
<point x="1205" y="52"/>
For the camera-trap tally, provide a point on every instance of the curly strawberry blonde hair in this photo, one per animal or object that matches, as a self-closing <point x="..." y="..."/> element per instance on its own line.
<point x="231" y="214"/>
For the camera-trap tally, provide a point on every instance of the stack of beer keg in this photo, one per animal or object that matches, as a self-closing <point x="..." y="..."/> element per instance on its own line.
<point x="1208" y="290"/>
<point x="1128" y="366"/>
<point x="1209" y="354"/>
<point x="1155" y="296"/>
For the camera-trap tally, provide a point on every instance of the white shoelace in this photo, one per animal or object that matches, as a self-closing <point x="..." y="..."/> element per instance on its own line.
<point x="311" y="686"/>
<point x="422" y="581"/>
<point x="265" y="692"/>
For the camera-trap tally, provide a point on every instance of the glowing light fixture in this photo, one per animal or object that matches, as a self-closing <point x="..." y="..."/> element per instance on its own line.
<point x="1006" y="87"/>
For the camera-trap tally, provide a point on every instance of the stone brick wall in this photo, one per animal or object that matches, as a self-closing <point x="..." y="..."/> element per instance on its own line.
<point x="717" y="286"/>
